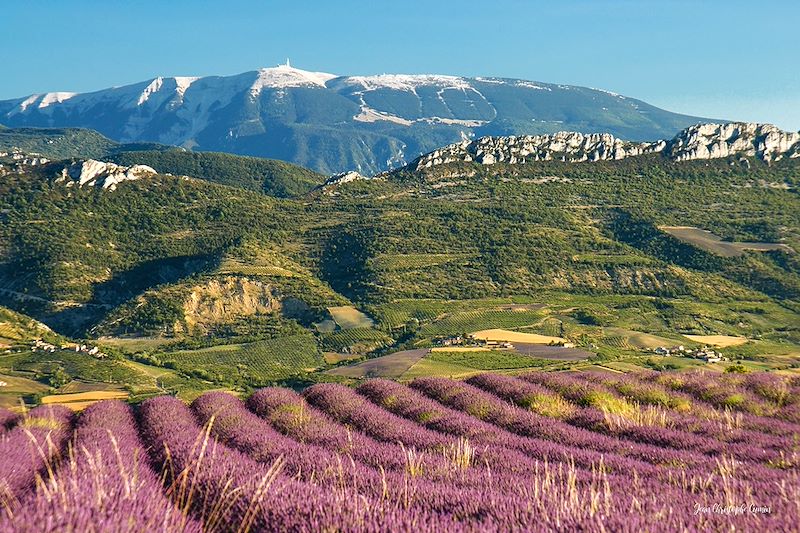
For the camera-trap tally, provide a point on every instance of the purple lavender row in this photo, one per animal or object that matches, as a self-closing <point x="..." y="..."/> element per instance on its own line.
<point x="546" y="493"/>
<point x="696" y="467"/>
<point x="714" y="391"/>
<point x="491" y="506"/>
<point x="781" y="393"/>
<point x="290" y="414"/>
<point x="229" y="491"/>
<point x="776" y="389"/>
<point x="345" y="406"/>
<point x="706" y="422"/>
<point x="590" y="398"/>
<point x="105" y="485"/>
<point x="348" y="407"/>
<point x="626" y="505"/>
<point x="412" y="405"/>
<point x="646" y="387"/>
<point x="490" y="408"/>
<point x="31" y="448"/>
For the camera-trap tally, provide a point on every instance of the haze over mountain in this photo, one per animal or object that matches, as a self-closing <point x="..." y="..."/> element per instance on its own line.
<point x="335" y="123"/>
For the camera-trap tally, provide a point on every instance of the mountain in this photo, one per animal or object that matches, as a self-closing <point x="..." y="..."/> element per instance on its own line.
<point x="333" y="123"/>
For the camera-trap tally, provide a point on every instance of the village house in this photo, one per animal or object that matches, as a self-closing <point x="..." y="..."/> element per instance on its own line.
<point x="705" y="353"/>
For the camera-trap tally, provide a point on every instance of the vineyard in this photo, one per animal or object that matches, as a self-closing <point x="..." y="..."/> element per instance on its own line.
<point x="349" y="338"/>
<point x="399" y="312"/>
<point x="537" y="452"/>
<point x="469" y="321"/>
<point x="262" y="362"/>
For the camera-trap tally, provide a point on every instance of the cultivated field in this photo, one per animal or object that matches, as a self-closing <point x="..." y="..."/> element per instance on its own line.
<point x="348" y="317"/>
<point x="81" y="400"/>
<point x="501" y="335"/>
<point x="263" y="361"/>
<point x="388" y="366"/>
<point x="355" y="340"/>
<point x="723" y="341"/>
<point x="711" y="243"/>
<point x="583" y="451"/>
<point x="558" y="353"/>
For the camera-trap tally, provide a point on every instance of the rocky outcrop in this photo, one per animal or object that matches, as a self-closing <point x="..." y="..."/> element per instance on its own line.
<point x="18" y="161"/>
<point x="225" y="299"/>
<point x="93" y="173"/>
<point x="344" y="177"/>
<point x="562" y="146"/>
<point x="711" y="141"/>
<point x="702" y="141"/>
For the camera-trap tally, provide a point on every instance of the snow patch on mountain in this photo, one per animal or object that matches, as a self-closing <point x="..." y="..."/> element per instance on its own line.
<point x="288" y="76"/>
<point x="368" y="114"/>
<point x="55" y="98"/>
<point x="184" y="82"/>
<point x="408" y="82"/>
<point x="154" y="87"/>
<point x="531" y="85"/>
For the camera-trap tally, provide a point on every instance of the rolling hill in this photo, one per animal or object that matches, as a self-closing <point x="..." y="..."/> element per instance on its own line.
<point x="274" y="178"/>
<point x="567" y="246"/>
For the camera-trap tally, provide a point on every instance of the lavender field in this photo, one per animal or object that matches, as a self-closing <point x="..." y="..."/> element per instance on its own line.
<point x="536" y="452"/>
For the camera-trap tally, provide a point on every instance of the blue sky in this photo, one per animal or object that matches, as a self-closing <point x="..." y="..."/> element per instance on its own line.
<point x="726" y="59"/>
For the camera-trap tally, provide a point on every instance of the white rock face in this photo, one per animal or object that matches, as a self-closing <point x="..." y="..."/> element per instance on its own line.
<point x="344" y="177"/>
<point x="101" y="174"/>
<point x="710" y="141"/>
<point x="703" y="141"/>
<point x="565" y="145"/>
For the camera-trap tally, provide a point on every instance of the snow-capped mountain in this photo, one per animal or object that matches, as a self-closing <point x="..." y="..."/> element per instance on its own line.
<point x="336" y="123"/>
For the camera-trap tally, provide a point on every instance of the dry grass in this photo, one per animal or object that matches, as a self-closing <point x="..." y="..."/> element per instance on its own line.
<point x="722" y="341"/>
<point x="504" y="335"/>
<point x="81" y="400"/>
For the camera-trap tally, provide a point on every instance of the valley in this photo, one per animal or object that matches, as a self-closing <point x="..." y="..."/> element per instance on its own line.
<point x="424" y="274"/>
<point x="213" y="282"/>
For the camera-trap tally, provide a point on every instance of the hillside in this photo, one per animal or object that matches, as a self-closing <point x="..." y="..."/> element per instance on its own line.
<point x="616" y="256"/>
<point x="274" y="178"/>
<point x="271" y="177"/>
<point x="56" y="143"/>
<point x="333" y="123"/>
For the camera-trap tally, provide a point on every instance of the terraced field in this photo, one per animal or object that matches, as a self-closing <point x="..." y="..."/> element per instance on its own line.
<point x="539" y="452"/>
